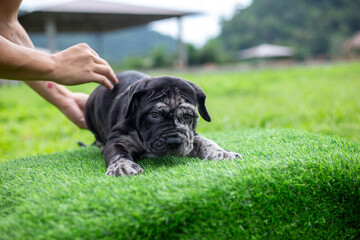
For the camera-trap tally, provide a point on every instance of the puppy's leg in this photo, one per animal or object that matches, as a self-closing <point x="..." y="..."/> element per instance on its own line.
<point x="119" y="161"/>
<point x="207" y="149"/>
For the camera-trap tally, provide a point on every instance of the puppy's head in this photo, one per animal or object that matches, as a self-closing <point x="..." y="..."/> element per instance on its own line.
<point x="163" y="110"/>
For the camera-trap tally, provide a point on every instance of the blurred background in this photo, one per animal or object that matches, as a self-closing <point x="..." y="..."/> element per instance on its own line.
<point x="212" y="32"/>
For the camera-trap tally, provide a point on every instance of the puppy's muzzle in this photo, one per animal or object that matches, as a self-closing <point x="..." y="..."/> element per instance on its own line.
<point x="169" y="144"/>
<point x="173" y="142"/>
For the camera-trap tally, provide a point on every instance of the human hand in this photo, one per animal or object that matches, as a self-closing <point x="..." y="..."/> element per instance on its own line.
<point x="73" y="108"/>
<point x="81" y="64"/>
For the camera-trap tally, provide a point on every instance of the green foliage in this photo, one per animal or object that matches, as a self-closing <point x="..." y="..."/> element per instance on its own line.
<point x="212" y="52"/>
<point x="321" y="99"/>
<point x="158" y="57"/>
<point x="289" y="185"/>
<point x="312" y="27"/>
<point x="193" y="54"/>
<point x="134" y="62"/>
<point x="161" y="58"/>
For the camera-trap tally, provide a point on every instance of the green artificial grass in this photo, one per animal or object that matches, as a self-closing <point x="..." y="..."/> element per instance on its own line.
<point x="290" y="184"/>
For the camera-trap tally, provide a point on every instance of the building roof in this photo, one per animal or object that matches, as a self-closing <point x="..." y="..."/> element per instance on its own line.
<point x="266" y="51"/>
<point x="352" y="43"/>
<point x="91" y="15"/>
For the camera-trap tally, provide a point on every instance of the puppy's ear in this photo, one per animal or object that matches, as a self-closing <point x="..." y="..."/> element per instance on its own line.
<point x="135" y="91"/>
<point x="200" y="98"/>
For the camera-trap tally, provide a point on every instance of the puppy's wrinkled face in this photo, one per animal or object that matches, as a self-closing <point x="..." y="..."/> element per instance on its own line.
<point x="167" y="122"/>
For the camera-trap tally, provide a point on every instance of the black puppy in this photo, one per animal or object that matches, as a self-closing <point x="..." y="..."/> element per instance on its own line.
<point x="149" y="117"/>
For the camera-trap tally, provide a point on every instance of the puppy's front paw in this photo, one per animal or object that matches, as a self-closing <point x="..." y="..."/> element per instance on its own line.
<point x="220" y="154"/>
<point x="124" y="167"/>
<point x="233" y="155"/>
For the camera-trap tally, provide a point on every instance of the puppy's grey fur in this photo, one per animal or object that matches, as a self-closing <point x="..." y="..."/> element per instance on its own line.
<point x="147" y="116"/>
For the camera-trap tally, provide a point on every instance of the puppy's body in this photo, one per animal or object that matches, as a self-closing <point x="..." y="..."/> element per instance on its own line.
<point x="148" y="117"/>
<point x="105" y="108"/>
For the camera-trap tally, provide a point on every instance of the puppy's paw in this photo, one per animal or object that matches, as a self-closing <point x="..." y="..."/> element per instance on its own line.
<point x="233" y="155"/>
<point x="221" y="154"/>
<point x="124" y="167"/>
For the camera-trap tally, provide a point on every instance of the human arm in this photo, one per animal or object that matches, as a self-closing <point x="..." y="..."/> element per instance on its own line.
<point x="30" y="65"/>
<point x="76" y="65"/>
<point x="71" y="104"/>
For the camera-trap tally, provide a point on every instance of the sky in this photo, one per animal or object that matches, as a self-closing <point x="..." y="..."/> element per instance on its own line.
<point x="196" y="29"/>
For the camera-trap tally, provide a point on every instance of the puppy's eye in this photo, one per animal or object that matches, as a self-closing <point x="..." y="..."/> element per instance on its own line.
<point x="154" y="114"/>
<point x="187" y="116"/>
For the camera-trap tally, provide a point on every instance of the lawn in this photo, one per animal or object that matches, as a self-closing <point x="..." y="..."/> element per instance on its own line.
<point x="290" y="184"/>
<point x="321" y="99"/>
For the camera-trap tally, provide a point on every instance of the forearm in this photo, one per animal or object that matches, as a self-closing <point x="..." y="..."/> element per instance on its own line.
<point x="19" y="60"/>
<point x="54" y="93"/>
<point x="76" y="65"/>
<point x="23" y="63"/>
<point x="69" y="103"/>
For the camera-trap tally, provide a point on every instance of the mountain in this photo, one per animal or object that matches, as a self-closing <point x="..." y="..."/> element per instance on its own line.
<point x="116" y="45"/>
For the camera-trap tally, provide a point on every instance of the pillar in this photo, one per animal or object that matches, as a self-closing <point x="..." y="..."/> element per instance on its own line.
<point x="50" y="31"/>
<point x="182" y="60"/>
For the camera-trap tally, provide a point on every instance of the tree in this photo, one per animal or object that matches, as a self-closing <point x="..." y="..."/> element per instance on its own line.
<point x="311" y="27"/>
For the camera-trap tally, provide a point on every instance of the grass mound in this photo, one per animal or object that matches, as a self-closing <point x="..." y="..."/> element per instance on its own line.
<point x="290" y="184"/>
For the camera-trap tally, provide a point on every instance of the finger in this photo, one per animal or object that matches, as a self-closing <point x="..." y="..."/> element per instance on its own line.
<point x="76" y="115"/>
<point x="103" y="81"/>
<point x="107" y="72"/>
<point x="81" y="99"/>
<point x="78" y="110"/>
<point x="93" y="52"/>
<point x="100" y="60"/>
<point x="81" y="123"/>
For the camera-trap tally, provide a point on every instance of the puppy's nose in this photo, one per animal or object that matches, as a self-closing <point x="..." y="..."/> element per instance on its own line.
<point x="173" y="142"/>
